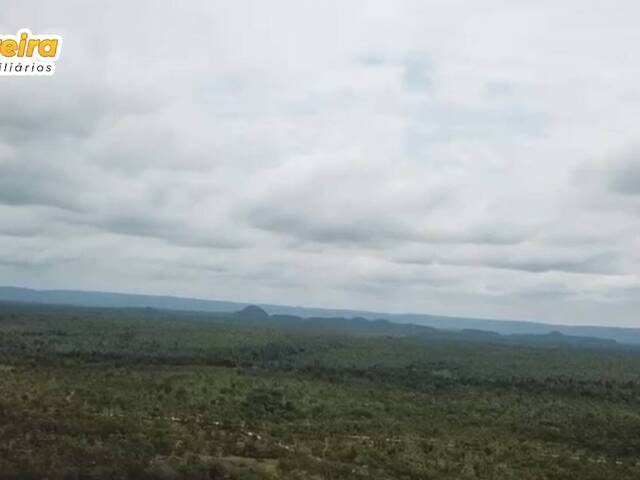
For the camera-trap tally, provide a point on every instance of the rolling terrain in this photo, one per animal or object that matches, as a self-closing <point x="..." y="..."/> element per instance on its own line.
<point x="131" y="393"/>
<point x="121" y="300"/>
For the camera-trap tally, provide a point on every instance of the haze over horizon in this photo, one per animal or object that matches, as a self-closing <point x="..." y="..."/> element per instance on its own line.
<point x="465" y="160"/>
<point x="302" y="310"/>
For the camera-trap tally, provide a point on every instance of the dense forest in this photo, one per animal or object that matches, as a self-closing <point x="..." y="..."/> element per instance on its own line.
<point x="96" y="393"/>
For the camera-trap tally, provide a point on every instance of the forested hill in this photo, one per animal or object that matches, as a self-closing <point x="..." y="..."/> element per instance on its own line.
<point x="358" y="326"/>
<point x="121" y="300"/>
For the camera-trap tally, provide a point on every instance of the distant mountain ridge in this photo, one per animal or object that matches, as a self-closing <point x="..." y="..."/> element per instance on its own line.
<point x="124" y="300"/>
<point x="256" y="316"/>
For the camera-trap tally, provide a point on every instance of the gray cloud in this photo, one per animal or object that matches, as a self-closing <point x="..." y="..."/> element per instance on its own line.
<point x="624" y="176"/>
<point x="417" y="73"/>
<point x="403" y="156"/>
<point x="598" y="264"/>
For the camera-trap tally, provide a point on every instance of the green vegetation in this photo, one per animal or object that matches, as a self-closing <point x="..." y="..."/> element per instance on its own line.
<point x="89" y="393"/>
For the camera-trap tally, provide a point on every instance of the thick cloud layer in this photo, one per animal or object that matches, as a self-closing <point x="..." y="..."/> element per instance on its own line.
<point x="441" y="157"/>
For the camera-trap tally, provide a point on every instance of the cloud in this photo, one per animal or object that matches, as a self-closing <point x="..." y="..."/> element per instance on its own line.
<point x="624" y="176"/>
<point x="524" y="258"/>
<point x="398" y="156"/>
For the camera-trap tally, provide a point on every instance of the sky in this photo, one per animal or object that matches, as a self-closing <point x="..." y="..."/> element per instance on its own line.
<point x="448" y="157"/>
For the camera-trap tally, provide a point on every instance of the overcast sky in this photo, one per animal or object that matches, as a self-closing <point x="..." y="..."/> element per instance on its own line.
<point x="452" y="157"/>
